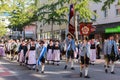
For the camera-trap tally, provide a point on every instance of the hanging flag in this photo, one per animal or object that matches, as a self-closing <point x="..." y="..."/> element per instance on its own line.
<point x="71" y="24"/>
<point x="85" y="28"/>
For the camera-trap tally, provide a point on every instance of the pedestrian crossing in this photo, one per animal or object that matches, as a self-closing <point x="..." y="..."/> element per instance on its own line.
<point x="4" y="71"/>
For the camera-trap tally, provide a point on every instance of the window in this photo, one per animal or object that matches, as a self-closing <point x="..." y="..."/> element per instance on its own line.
<point x="105" y="13"/>
<point x="94" y="16"/>
<point x="117" y="11"/>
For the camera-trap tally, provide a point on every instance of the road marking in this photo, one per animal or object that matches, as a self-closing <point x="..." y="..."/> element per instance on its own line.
<point x="4" y="71"/>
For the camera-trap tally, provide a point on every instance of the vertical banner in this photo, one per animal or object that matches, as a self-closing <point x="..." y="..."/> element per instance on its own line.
<point x="71" y="23"/>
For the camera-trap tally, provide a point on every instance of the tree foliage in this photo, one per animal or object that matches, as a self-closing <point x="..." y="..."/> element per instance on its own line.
<point x="3" y="29"/>
<point x="57" y="10"/>
<point x="22" y="12"/>
<point x="48" y="13"/>
<point x="107" y="4"/>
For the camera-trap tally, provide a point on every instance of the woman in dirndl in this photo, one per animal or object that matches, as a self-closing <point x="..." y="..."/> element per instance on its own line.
<point x="22" y="52"/>
<point x="2" y="50"/>
<point x="31" y="55"/>
<point x="49" y="52"/>
<point x="56" y="52"/>
<point x="92" y="51"/>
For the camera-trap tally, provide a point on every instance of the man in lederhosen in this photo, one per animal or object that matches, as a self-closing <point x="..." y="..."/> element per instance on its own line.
<point x="84" y="57"/>
<point x="111" y="52"/>
<point x="70" y="50"/>
<point x="40" y="56"/>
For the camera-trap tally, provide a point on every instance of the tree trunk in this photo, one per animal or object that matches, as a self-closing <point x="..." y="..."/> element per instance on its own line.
<point x="52" y="29"/>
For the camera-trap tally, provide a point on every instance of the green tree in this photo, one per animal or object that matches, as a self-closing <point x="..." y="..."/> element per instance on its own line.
<point x="55" y="11"/>
<point x="53" y="17"/>
<point x="22" y="12"/>
<point x="3" y="29"/>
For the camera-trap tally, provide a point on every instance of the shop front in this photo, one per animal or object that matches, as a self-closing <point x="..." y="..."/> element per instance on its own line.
<point x="104" y="30"/>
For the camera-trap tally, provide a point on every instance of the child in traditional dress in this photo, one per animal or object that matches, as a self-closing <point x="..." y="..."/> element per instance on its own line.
<point x="111" y="53"/>
<point x="22" y="52"/>
<point x="84" y="57"/>
<point x="92" y="51"/>
<point x="56" y="52"/>
<point x="49" y="52"/>
<point x="2" y="50"/>
<point x="40" y="56"/>
<point x="31" y="55"/>
<point x="70" y="51"/>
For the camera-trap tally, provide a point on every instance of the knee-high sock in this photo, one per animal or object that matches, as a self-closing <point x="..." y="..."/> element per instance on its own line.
<point x="106" y="66"/>
<point x="72" y="63"/>
<point x="67" y="60"/>
<point x="86" y="71"/>
<point x="81" y="69"/>
<point x="112" y="67"/>
<point x="43" y="66"/>
<point x="57" y="62"/>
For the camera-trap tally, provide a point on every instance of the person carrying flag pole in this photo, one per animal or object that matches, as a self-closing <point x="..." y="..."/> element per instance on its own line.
<point x="40" y="56"/>
<point x="70" y="38"/>
<point x="70" y="51"/>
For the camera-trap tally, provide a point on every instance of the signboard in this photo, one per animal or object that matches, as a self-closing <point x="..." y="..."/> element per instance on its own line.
<point x="113" y="30"/>
<point x="85" y="28"/>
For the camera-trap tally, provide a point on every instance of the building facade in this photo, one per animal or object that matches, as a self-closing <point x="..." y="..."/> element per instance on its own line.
<point x="105" y="19"/>
<point x="4" y="18"/>
<point x="44" y="31"/>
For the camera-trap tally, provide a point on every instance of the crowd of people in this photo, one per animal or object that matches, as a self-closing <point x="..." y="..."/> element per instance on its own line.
<point x="35" y="54"/>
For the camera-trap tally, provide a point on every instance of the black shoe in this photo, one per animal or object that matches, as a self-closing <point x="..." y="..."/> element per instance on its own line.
<point x="87" y="76"/>
<point x="104" y="66"/>
<point x="33" y="68"/>
<point x="112" y="72"/>
<point x="80" y="74"/>
<point x="52" y="63"/>
<point x="65" y="67"/>
<point x="37" y="70"/>
<point x="42" y="72"/>
<point x="106" y="71"/>
<point x="57" y="64"/>
<point x="72" y="68"/>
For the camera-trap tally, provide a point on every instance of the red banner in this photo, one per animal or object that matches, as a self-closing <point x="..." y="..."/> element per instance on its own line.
<point x="71" y="26"/>
<point x="85" y="28"/>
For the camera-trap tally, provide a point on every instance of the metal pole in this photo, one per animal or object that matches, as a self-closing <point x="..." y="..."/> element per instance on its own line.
<point x="76" y="32"/>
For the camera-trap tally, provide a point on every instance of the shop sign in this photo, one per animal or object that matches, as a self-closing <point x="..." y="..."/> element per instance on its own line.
<point x="113" y="30"/>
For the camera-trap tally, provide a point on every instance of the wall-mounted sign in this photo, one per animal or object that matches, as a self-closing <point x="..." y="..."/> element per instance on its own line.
<point x="113" y="30"/>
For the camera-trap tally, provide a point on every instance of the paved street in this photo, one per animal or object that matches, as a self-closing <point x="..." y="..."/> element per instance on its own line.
<point x="12" y="71"/>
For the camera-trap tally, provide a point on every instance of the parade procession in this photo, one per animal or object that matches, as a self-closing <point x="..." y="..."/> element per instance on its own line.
<point x="60" y="40"/>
